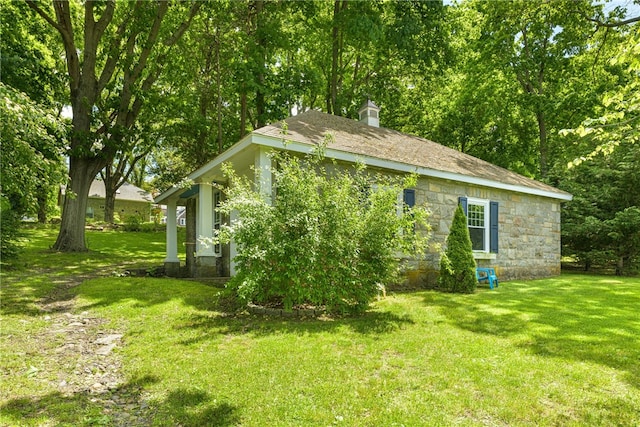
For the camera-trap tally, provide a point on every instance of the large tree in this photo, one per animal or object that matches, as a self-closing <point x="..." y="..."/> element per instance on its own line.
<point x="114" y="53"/>
<point x="602" y="223"/>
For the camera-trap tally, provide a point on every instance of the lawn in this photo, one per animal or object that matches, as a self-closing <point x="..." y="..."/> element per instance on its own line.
<point x="561" y="351"/>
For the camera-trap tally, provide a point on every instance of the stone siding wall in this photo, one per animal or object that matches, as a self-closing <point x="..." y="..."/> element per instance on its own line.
<point x="528" y="236"/>
<point x="122" y="209"/>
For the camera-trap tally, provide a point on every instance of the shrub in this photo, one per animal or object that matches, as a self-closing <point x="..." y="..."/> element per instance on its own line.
<point x="326" y="240"/>
<point x="9" y="229"/>
<point x="132" y="223"/>
<point x="457" y="266"/>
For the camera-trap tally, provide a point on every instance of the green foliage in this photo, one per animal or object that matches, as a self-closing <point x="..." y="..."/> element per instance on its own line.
<point x="329" y="238"/>
<point x="9" y="227"/>
<point x="30" y="160"/>
<point x="624" y="232"/>
<point x="132" y="223"/>
<point x="457" y="266"/>
<point x="598" y="224"/>
<point x="30" y="62"/>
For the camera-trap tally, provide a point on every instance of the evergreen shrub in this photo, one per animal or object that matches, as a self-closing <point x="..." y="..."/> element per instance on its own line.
<point x="457" y="266"/>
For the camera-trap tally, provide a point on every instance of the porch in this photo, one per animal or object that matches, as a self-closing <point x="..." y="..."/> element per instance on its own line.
<point x="201" y="258"/>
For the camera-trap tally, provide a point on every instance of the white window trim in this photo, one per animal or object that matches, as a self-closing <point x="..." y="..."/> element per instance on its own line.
<point x="485" y="203"/>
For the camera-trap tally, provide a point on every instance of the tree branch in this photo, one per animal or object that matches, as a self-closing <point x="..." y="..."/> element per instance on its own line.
<point x="153" y="75"/>
<point x="610" y="24"/>
<point x="65" y="28"/>
<point x="105" y="19"/>
<point x="114" y="51"/>
<point x="34" y="5"/>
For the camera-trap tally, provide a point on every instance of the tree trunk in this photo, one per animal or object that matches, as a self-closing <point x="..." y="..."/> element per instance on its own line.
<point x="620" y="266"/>
<point x="544" y="149"/>
<point x="43" y="198"/>
<point x="71" y="235"/>
<point x="243" y="112"/>
<point x="261" y="42"/>
<point x="109" y="205"/>
<point x="112" y="181"/>
<point x="333" y="78"/>
<point x="218" y="92"/>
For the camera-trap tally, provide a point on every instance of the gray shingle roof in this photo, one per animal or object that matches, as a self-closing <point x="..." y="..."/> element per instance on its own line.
<point x="386" y="144"/>
<point x="126" y="192"/>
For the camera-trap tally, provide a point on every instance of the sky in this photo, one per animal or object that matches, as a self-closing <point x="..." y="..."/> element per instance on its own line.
<point x="633" y="9"/>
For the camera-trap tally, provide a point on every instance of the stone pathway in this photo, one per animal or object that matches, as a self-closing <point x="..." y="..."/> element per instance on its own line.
<point x="85" y="361"/>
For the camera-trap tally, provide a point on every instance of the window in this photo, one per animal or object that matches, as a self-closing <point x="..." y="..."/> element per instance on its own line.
<point x="89" y="213"/>
<point x="482" y="220"/>
<point x="477" y="214"/>
<point x="409" y="198"/>
<point x="409" y="201"/>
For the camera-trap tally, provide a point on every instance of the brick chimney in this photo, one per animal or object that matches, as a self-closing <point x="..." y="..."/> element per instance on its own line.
<point x="369" y="114"/>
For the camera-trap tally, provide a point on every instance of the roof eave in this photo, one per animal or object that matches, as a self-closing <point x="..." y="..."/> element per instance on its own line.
<point x="305" y="148"/>
<point x="203" y="170"/>
<point x="281" y="143"/>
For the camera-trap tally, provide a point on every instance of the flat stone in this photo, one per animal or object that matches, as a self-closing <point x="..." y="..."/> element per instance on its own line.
<point x="105" y="349"/>
<point x="108" y="339"/>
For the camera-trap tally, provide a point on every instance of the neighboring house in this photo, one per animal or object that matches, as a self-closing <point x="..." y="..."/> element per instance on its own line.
<point x="130" y="201"/>
<point x="181" y="215"/>
<point x="514" y="221"/>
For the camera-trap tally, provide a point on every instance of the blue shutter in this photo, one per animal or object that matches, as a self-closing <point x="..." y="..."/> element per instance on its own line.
<point x="463" y="201"/>
<point x="493" y="227"/>
<point x="409" y="198"/>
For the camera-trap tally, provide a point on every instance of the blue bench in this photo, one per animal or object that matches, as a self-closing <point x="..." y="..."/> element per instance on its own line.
<point x="487" y="275"/>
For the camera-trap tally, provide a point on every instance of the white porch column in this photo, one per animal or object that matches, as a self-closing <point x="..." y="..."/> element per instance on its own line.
<point x="205" y="220"/>
<point x="263" y="173"/>
<point x="172" y="233"/>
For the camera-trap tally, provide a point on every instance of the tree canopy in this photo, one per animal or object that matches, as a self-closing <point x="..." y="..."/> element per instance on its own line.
<point x="159" y="88"/>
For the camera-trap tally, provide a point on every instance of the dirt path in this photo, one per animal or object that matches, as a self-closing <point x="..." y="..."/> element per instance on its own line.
<point x="84" y="359"/>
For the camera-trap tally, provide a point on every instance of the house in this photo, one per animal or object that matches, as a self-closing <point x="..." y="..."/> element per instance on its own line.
<point x="130" y="201"/>
<point x="181" y="215"/>
<point x="514" y="221"/>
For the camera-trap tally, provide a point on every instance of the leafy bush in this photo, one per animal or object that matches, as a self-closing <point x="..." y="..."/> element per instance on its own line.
<point x="132" y="223"/>
<point x="457" y="266"/>
<point x="31" y="165"/>
<point x="329" y="238"/>
<point x="9" y="227"/>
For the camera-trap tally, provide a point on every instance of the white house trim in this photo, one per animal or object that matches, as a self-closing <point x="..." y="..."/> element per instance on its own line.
<point x="199" y="173"/>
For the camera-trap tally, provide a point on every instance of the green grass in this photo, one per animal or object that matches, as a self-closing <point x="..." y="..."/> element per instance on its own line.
<point x="561" y="351"/>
